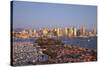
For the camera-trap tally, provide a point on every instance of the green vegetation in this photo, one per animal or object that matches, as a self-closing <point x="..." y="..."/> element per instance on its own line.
<point x="50" y="44"/>
<point x="48" y="41"/>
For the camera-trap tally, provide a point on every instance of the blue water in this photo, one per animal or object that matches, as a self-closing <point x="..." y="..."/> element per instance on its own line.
<point x="89" y="42"/>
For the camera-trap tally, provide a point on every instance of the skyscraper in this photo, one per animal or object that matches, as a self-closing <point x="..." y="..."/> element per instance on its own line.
<point x="82" y="31"/>
<point x="45" y="31"/>
<point x="65" y="31"/>
<point x="74" y="31"/>
<point x="59" y="32"/>
<point x="70" y="32"/>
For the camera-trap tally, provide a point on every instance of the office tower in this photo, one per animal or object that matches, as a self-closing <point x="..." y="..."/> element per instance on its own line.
<point x="94" y="31"/>
<point x="45" y="31"/>
<point x="30" y="33"/>
<point x="70" y="32"/>
<point x="74" y="31"/>
<point x="65" y="31"/>
<point x="82" y="31"/>
<point x="54" y="31"/>
<point x="59" y="32"/>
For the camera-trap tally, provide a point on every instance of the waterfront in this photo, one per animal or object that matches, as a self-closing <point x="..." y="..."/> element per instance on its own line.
<point x="89" y="42"/>
<point x="47" y="33"/>
<point x="33" y="51"/>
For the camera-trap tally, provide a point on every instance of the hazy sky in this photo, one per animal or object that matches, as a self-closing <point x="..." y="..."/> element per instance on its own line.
<point x="36" y="15"/>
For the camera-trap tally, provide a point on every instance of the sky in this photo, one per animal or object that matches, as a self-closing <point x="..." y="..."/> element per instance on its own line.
<point x="31" y="15"/>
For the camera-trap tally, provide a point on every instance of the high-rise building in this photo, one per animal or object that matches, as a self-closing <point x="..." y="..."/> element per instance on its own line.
<point x="74" y="31"/>
<point x="78" y="33"/>
<point x="54" y="31"/>
<point x="94" y="31"/>
<point x="59" y="32"/>
<point x="70" y="32"/>
<point x="30" y="32"/>
<point x="82" y="31"/>
<point x="45" y="31"/>
<point x="65" y="31"/>
<point x="34" y="33"/>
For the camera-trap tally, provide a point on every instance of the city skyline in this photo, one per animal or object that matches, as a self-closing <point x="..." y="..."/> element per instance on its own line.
<point x="38" y="15"/>
<point x="51" y="33"/>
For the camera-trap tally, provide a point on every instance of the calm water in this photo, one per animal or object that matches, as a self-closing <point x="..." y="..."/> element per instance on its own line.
<point x="89" y="42"/>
